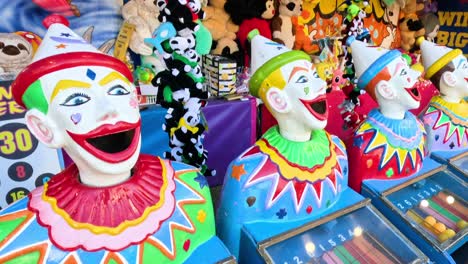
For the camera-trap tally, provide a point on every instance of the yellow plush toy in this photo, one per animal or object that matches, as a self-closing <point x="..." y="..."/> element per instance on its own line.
<point x="219" y="23"/>
<point x="410" y="25"/>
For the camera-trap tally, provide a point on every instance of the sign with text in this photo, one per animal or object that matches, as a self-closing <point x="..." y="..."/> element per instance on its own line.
<point x="25" y="163"/>
<point x="453" y="18"/>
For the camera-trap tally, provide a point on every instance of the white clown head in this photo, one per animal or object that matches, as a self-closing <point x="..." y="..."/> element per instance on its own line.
<point x="83" y="101"/>
<point x="388" y="79"/>
<point x="290" y="87"/>
<point x="447" y="69"/>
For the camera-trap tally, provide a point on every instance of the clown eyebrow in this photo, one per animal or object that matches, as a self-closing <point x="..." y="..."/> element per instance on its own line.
<point x="459" y="63"/>
<point x="296" y="69"/>
<point x="112" y="76"/>
<point x="67" y="84"/>
<point x="398" y="67"/>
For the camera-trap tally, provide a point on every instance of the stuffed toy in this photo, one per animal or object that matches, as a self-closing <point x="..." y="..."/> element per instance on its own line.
<point x="431" y="25"/>
<point x="250" y="15"/>
<point x="62" y="7"/>
<point x="180" y="86"/>
<point x="410" y="29"/>
<point x="410" y="25"/>
<point x="222" y="29"/>
<point x="17" y="50"/>
<point x="178" y="13"/>
<point x="304" y="32"/>
<point x="391" y="17"/>
<point x="144" y="15"/>
<point x="282" y="28"/>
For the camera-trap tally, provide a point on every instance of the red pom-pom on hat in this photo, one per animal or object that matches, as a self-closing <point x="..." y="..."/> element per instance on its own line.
<point x="55" y="19"/>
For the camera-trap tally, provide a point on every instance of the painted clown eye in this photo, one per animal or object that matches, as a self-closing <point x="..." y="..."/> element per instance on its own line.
<point x="76" y="99"/>
<point x="403" y="72"/>
<point x="316" y="75"/>
<point x="117" y="90"/>
<point x="302" y="79"/>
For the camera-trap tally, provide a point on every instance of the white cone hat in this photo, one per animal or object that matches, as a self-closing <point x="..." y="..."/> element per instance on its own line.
<point x="369" y="60"/>
<point x="61" y="39"/>
<point x="435" y="57"/>
<point x="268" y="56"/>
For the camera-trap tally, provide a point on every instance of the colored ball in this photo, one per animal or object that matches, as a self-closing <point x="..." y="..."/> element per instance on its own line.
<point x="461" y="224"/>
<point x="446" y="235"/>
<point x="439" y="227"/>
<point x="429" y="221"/>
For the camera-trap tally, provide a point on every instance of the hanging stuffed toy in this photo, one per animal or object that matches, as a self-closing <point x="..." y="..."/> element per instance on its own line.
<point x="180" y="86"/>
<point x="250" y="15"/>
<point x="282" y="28"/>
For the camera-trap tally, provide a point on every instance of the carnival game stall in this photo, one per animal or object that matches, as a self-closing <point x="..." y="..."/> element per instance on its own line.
<point x="233" y="131"/>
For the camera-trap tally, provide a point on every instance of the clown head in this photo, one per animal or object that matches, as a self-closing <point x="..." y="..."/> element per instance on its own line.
<point x="290" y="87"/>
<point x="386" y="76"/>
<point x="447" y="69"/>
<point x="85" y="102"/>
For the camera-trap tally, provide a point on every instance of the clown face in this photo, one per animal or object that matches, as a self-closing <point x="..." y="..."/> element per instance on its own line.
<point x="306" y="94"/>
<point x="402" y="82"/>
<point x="96" y="117"/>
<point x="460" y="76"/>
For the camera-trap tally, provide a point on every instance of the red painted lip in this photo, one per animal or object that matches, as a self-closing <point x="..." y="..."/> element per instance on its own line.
<point x="109" y="130"/>
<point x="318" y="107"/>
<point x="414" y="92"/>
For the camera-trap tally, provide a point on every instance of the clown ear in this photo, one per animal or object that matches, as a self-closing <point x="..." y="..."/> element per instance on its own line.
<point x="44" y="129"/>
<point x="449" y="79"/>
<point x="278" y="100"/>
<point x="385" y="90"/>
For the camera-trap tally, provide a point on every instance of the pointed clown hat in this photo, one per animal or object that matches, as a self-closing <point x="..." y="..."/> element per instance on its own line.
<point x="369" y="60"/>
<point x="435" y="57"/>
<point x="61" y="48"/>
<point x="268" y="56"/>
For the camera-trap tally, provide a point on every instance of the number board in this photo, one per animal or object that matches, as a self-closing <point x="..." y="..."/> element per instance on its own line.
<point x="25" y="163"/>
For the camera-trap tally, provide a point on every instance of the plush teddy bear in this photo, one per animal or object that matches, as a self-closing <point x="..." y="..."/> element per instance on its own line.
<point x="221" y="27"/>
<point x="250" y="15"/>
<point x="144" y="15"/>
<point x="410" y="29"/>
<point x="410" y="25"/>
<point x="218" y="21"/>
<point x="282" y="28"/>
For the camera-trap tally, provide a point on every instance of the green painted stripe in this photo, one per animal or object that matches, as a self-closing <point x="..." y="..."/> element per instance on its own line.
<point x="442" y="211"/>
<point x="346" y="254"/>
<point x="340" y="256"/>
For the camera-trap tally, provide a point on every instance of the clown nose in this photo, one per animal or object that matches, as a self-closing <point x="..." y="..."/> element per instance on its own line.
<point x="55" y="19"/>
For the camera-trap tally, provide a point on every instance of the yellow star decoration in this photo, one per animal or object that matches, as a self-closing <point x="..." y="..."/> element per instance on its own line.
<point x="238" y="171"/>
<point x="201" y="216"/>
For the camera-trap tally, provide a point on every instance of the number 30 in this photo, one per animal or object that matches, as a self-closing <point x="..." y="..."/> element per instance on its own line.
<point x="20" y="140"/>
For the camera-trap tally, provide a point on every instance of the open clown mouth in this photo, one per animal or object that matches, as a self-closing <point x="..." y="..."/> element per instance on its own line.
<point x="111" y="143"/>
<point x="414" y="92"/>
<point x="317" y="107"/>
